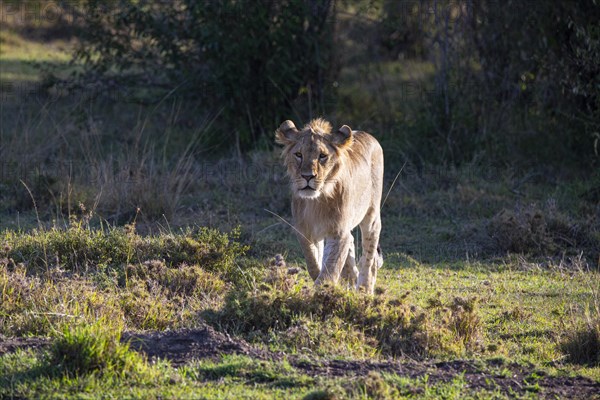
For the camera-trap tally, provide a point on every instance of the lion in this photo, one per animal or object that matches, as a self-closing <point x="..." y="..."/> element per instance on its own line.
<point x="336" y="181"/>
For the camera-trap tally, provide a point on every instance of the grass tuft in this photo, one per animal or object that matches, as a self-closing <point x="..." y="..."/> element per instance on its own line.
<point x="582" y="345"/>
<point x="373" y="386"/>
<point x="541" y="231"/>
<point x="56" y="276"/>
<point x="88" y="348"/>
<point x="79" y="248"/>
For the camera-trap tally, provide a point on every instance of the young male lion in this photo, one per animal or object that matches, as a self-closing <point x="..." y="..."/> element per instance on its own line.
<point x="337" y="179"/>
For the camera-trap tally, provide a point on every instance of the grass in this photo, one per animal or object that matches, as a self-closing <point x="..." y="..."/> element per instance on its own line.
<point x="523" y="311"/>
<point x="89" y="348"/>
<point x="48" y="276"/>
<point x="482" y="264"/>
<point x="331" y="320"/>
<point x="20" y="58"/>
<point x="60" y="281"/>
<point x="227" y="378"/>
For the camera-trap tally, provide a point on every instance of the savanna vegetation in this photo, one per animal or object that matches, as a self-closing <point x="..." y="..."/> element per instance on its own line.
<point x="145" y="246"/>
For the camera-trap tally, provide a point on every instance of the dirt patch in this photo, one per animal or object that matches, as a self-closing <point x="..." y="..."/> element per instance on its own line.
<point x="10" y="345"/>
<point x="182" y="346"/>
<point x="513" y="379"/>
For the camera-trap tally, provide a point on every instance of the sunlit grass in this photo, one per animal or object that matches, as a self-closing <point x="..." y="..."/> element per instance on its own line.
<point x="524" y="312"/>
<point x="20" y="58"/>
<point x="26" y="374"/>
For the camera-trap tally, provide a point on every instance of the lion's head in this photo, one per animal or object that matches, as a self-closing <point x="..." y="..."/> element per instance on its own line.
<point x="313" y="156"/>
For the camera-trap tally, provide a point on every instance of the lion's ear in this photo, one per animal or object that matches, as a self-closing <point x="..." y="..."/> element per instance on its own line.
<point x="343" y="137"/>
<point x="286" y="132"/>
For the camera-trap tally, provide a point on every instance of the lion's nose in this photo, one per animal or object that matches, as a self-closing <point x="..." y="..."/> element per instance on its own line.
<point x="308" y="177"/>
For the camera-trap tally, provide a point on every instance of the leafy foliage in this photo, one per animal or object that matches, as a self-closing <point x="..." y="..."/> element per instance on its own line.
<point x="249" y="60"/>
<point x="515" y="94"/>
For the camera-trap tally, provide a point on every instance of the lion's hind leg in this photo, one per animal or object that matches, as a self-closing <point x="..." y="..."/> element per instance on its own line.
<point x="371" y="260"/>
<point x="350" y="271"/>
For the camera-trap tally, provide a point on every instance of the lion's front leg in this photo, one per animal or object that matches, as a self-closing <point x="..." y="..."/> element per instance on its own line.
<point x="336" y="253"/>
<point x="313" y="254"/>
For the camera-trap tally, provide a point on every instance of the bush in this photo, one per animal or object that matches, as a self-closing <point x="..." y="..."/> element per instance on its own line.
<point x="539" y="231"/>
<point x="249" y="60"/>
<point x="529" y="95"/>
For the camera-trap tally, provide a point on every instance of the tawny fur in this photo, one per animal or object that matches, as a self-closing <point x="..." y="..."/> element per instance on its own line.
<point x="336" y="179"/>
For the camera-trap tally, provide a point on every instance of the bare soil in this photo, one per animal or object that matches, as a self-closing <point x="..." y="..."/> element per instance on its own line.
<point x="183" y="346"/>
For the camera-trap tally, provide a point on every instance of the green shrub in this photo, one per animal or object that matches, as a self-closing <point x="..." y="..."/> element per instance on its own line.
<point x="86" y="348"/>
<point x="526" y="97"/>
<point x="246" y="60"/>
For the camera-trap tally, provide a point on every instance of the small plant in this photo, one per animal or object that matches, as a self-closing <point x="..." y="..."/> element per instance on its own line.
<point x="374" y="386"/>
<point x="465" y="321"/>
<point x="87" y="348"/>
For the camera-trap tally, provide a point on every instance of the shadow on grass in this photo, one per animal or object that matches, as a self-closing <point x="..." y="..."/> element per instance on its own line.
<point x="23" y="376"/>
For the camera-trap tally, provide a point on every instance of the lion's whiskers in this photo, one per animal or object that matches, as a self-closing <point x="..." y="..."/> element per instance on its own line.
<point x="284" y="220"/>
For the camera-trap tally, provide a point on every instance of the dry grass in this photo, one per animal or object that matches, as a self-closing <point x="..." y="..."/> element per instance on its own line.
<point x="538" y="231"/>
<point x="580" y="340"/>
<point x="326" y="320"/>
<point x="581" y="345"/>
<point x="48" y="277"/>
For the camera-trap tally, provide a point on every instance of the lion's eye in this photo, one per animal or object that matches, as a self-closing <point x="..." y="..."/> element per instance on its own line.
<point x="322" y="156"/>
<point x="299" y="155"/>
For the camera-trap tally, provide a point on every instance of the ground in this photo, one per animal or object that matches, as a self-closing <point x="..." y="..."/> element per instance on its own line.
<point x="182" y="347"/>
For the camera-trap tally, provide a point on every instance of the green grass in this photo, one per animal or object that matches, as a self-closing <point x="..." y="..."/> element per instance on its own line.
<point x="524" y="312"/>
<point x="28" y="375"/>
<point x="506" y="308"/>
<point x="20" y="58"/>
<point x="49" y="276"/>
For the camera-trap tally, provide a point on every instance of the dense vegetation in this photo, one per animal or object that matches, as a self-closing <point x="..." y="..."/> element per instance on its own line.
<point x="510" y="79"/>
